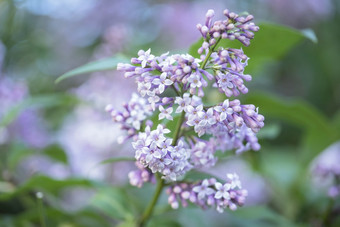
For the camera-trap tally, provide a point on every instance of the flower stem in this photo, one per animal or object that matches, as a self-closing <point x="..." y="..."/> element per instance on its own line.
<point x="327" y="216"/>
<point x="209" y="53"/>
<point x="149" y="209"/>
<point x="160" y="182"/>
<point x="178" y="129"/>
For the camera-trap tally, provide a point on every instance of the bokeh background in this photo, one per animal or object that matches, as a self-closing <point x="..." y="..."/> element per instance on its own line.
<point x="54" y="137"/>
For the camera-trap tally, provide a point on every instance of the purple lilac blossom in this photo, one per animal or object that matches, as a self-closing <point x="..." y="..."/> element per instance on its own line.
<point x="209" y="193"/>
<point x="28" y="126"/>
<point x="326" y="167"/>
<point x="228" y="125"/>
<point x="301" y="13"/>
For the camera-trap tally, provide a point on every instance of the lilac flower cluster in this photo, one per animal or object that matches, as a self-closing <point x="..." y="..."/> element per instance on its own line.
<point x="156" y="152"/>
<point x="229" y="67"/>
<point x="140" y="176"/>
<point x="131" y="118"/>
<point x="229" y="122"/>
<point x="233" y="27"/>
<point x="209" y="193"/>
<point x="171" y="88"/>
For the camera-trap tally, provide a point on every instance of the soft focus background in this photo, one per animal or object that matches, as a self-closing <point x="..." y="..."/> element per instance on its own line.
<point x="55" y="137"/>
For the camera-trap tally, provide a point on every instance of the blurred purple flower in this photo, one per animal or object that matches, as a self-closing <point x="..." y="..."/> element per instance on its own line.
<point x="28" y="126"/>
<point x="303" y="12"/>
<point x="326" y="169"/>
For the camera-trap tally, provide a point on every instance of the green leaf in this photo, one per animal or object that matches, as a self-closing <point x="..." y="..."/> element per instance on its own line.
<point x="164" y="222"/>
<point x="119" y="159"/>
<point x="95" y="66"/>
<point x="259" y="213"/>
<point x="56" y="153"/>
<point x="113" y="202"/>
<point x="320" y="132"/>
<point x="271" y="42"/>
<point x="47" y="184"/>
<point x="43" y="101"/>
<point x="128" y="223"/>
<point x="269" y="132"/>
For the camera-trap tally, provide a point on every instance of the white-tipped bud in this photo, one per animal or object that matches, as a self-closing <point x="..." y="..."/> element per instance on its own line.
<point x="216" y="27"/>
<point x="249" y="18"/>
<point x="141" y="52"/>
<point x="212" y="42"/>
<point x="232" y="15"/>
<point x="224" y="53"/>
<point x="120" y="66"/>
<point x="232" y="206"/>
<point x="187" y="69"/>
<point x="177" y="189"/>
<point x="216" y="34"/>
<point x="174" y="205"/>
<point x="210" y="13"/>
<point x="230" y="26"/>
<point x="205" y="45"/>
<point x="231" y="37"/>
<point x="108" y="108"/>
<point x="205" y="29"/>
<point x="247" y="77"/>
<point x="179" y="72"/>
<point x="260" y="117"/>
<point x="185" y="195"/>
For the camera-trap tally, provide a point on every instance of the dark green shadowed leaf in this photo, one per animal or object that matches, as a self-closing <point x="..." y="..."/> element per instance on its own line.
<point x="269" y="132"/>
<point x="95" y="66"/>
<point x="56" y="153"/>
<point x="262" y="216"/>
<point x="114" y="202"/>
<point x="45" y="183"/>
<point x="271" y="42"/>
<point x="320" y="133"/>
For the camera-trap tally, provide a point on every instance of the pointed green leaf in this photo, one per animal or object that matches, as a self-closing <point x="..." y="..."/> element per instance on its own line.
<point x="95" y="66"/>
<point x="45" y="101"/>
<point x="320" y="132"/>
<point x="271" y="42"/>
<point x="47" y="184"/>
<point x="56" y="153"/>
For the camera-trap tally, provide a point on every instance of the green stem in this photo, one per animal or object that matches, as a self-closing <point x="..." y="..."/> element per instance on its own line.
<point x="327" y="216"/>
<point x="160" y="182"/>
<point x="209" y="53"/>
<point x="177" y="92"/>
<point x="178" y="129"/>
<point x="149" y="209"/>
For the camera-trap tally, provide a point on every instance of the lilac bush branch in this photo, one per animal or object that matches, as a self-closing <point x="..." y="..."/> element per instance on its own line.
<point x="229" y="125"/>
